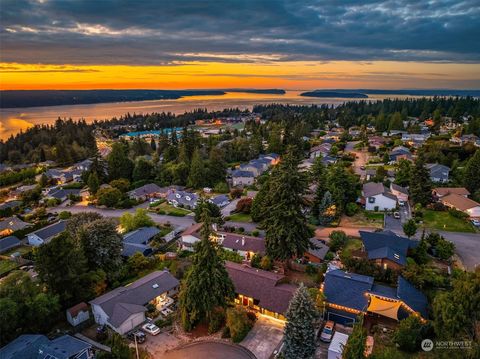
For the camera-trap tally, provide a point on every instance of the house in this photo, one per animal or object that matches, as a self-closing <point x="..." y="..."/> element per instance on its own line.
<point x="400" y="152"/>
<point x="349" y="295"/>
<point x="182" y="199"/>
<point x="386" y="249"/>
<point x="123" y="308"/>
<point x="62" y="194"/>
<point x="377" y="197"/>
<point x="220" y="200"/>
<point x="44" y="235"/>
<point x="37" y="346"/>
<point x="59" y="176"/>
<point x="78" y="314"/>
<point x="138" y="241"/>
<point x="12" y="224"/>
<point x="462" y="204"/>
<point x="242" y="178"/>
<point x="329" y="160"/>
<point x="400" y="192"/>
<point x="376" y="141"/>
<point x="321" y="150"/>
<point x="259" y="290"/>
<point x="257" y="168"/>
<point x="335" y="348"/>
<point x="16" y="193"/>
<point x="245" y="246"/>
<point x="10" y="205"/>
<point x="317" y="254"/>
<point x="8" y="243"/>
<point x="83" y="165"/>
<point x="438" y="173"/>
<point x="440" y="192"/>
<point x="150" y="190"/>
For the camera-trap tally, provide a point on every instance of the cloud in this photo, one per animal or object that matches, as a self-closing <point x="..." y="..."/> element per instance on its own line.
<point x="12" y="126"/>
<point x="150" y="32"/>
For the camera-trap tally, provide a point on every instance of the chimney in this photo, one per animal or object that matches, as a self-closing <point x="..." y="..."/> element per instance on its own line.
<point x="243" y="241"/>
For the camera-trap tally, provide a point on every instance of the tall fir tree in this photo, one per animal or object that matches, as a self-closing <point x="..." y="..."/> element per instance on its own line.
<point x="93" y="183"/>
<point x="327" y="210"/>
<point x="119" y="165"/>
<point x="207" y="285"/>
<point x="472" y="173"/>
<point x="420" y="183"/>
<point x="299" y="332"/>
<point x="196" y="177"/>
<point x="319" y="178"/>
<point x="286" y="227"/>
<point x="356" y="343"/>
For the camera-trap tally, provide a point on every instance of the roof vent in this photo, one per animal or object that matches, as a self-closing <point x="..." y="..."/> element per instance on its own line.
<point x="155" y="286"/>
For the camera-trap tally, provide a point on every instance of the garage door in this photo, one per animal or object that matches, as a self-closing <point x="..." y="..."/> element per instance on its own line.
<point x="340" y="319"/>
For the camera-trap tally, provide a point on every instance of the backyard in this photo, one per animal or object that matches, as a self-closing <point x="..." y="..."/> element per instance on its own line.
<point x="353" y="244"/>
<point x="7" y="265"/>
<point x="240" y="217"/>
<point x="169" y="210"/>
<point x="364" y="219"/>
<point x="444" y="221"/>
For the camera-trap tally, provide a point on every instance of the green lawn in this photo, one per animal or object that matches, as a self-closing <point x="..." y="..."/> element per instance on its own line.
<point x="364" y="219"/>
<point x="240" y="217"/>
<point x="170" y="210"/>
<point x="444" y="221"/>
<point x="353" y="244"/>
<point x="6" y="265"/>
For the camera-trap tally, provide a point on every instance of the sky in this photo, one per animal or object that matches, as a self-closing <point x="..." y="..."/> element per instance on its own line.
<point x="187" y="44"/>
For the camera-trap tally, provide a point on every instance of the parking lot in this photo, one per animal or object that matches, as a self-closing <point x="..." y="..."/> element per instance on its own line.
<point x="264" y="337"/>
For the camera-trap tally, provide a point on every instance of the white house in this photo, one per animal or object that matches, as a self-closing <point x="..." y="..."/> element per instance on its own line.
<point x="242" y="178"/>
<point x="44" y="235"/>
<point x="377" y="197"/>
<point x="78" y="314"/>
<point x="123" y="308"/>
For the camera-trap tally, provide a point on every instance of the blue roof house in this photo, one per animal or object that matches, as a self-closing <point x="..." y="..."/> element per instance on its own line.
<point x="138" y="241"/>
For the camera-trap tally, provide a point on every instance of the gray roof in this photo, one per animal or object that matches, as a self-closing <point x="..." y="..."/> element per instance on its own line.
<point x="321" y="249"/>
<point x="398" y="188"/>
<point x="122" y="302"/>
<point x="13" y="223"/>
<point x="243" y="243"/>
<point x="240" y="173"/>
<point x="63" y="193"/>
<point x="63" y="347"/>
<point x="10" y="204"/>
<point x="181" y="198"/>
<point x="437" y="170"/>
<point x="141" y="235"/>
<point x="25" y="347"/>
<point x="51" y="231"/>
<point x="219" y="200"/>
<point x="8" y="242"/>
<point x="145" y="190"/>
<point x="372" y="189"/>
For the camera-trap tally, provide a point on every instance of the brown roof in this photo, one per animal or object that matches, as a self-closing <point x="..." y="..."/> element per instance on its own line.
<point x="80" y="307"/>
<point x="243" y="243"/>
<point x="443" y="191"/>
<point x="192" y="230"/>
<point x="459" y="202"/>
<point x="264" y="287"/>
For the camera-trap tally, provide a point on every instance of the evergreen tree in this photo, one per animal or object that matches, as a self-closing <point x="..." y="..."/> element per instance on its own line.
<point x="420" y="184"/>
<point x="260" y="202"/>
<point x="356" y="343"/>
<point x="286" y="227"/>
<point x="119" y="165"/>
<point x="343" y="185"/>
<point x="319" y="178"/>
<point x="403" y="174"/>
<point x="410" y="228"/>
<point x="472" y="173"/>
<point x="207" y="285"/>
<point x="299" y="332"/>
<point x="326" y="210"/>
<point x="216" y="166"/>
<point x="196" y="177"/>
<point x="93" y="183"/>
<point x="143" y="170"/>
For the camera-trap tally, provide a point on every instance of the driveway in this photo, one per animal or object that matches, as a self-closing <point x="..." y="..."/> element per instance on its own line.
<point x="264" y="337"/>
<point x="230" y="207"/>
<point x="157" y="345"/>
<point x="361" y="158"/>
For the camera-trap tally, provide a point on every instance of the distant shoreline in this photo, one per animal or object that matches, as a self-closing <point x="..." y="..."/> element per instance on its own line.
<point x="44" y="98"/>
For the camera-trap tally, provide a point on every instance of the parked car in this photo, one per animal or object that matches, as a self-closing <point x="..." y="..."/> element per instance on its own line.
<point x="476" y="222"/>
<point x="396" y="215"/>
<point x="401" y="202"/>
<point x="327" y="332"/>
<point x="139" y="335"/>
<point x="151" y="328"/>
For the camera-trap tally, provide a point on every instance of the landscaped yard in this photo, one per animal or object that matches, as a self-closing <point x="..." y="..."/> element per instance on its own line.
<point x="364" y="219"/>
<point x="6" y="265"/>
<point x="170" y="210"/>
<point x="21" y="249"/>
<point x="353" y="244"/>
<point x="240" y="217"/>
<point x="444" y="221"/>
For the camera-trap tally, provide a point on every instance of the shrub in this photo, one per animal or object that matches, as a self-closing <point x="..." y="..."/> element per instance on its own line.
<point x="337" y="240"/>
<point x="438" y="206"/>
<point x="64" y="215"/>
<point x="236" y="193"/>
<point x="217" y="319"/>
<point x="329" y="256"/>
<point x="256" y="260"/>
<point x="311" y="269"/>
<point x="266" y="263"/>
<point x="409" y="334"/>
<point x="244" y="205"/>
<point x="239" y="323"/>
<point x="221" y="187"/>
<point x="255" y="233"/>
<point x="457" y="214"/>
<point x="351" y="208"/>
<point x="226" y="332"/>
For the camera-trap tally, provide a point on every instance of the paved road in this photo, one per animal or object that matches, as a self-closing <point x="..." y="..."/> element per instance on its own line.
<point x="230" y="207"/>
<point x="177" y="222"/>
<point x="396" y="225"/>
<point x="467" y="244"/>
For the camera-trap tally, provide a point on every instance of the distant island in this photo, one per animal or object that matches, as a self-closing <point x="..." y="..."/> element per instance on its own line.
<point x="329" y="94"/>
<point x="38" y="98"/>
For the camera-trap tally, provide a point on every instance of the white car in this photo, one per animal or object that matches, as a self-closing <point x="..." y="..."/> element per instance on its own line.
<point x="401" y="202"/>
<point x="476" y="222"/>
<point x="151" y="328"/>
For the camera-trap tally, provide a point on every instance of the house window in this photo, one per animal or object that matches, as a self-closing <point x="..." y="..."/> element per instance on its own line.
<point x="371" y="199"/>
